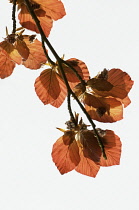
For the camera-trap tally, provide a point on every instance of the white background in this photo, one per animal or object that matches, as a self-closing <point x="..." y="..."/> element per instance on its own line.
<point x="103" y="34"/>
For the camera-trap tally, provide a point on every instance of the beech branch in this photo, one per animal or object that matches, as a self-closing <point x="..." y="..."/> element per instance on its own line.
<point x="69" y="90"/>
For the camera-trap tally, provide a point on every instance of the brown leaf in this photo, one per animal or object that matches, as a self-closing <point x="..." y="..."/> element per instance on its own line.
<point x="99" y="84"/>
<point x="90" y="148"/>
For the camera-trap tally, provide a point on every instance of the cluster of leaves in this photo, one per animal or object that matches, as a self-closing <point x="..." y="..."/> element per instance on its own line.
<point x="78" y="149"/>
<point x="101" y="98"/>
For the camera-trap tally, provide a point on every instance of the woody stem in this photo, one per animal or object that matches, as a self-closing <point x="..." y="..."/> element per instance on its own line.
<point x="13" y="16"/>
<point x="46" y="54"/>
<point x="70" y="110"/>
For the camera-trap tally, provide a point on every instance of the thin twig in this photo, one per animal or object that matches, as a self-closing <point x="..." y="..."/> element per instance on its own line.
<point x="13" y="16"/>
<point x="46" y="54"/>
<point x="70" y="110"/>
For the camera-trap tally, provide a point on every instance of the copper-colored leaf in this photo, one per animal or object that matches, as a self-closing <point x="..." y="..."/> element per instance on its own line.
<point x="100" y="84"/>
<point x="112" y="145"/>
<point x="92" y="100"/>
<point x="6" y="65"/>
<point x="11" y="51"/>
<point x="65" y="153"/>
<point x="87" y="166"/>
<point x="50" y="88"/>
<point x="54" y="8"/>
<point x="27" y="22"/>
<point x="81" y="69"/>
<point x="47" y="86"/>
<point x="121" y="82"/>
<point x="22" y="48"/>
<point x="126" y="101"/>
<point x="36" y="54"/>
<point x="63" y="93"/>
<point x="110" y="111"/>
<point x="90" y="145"/>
